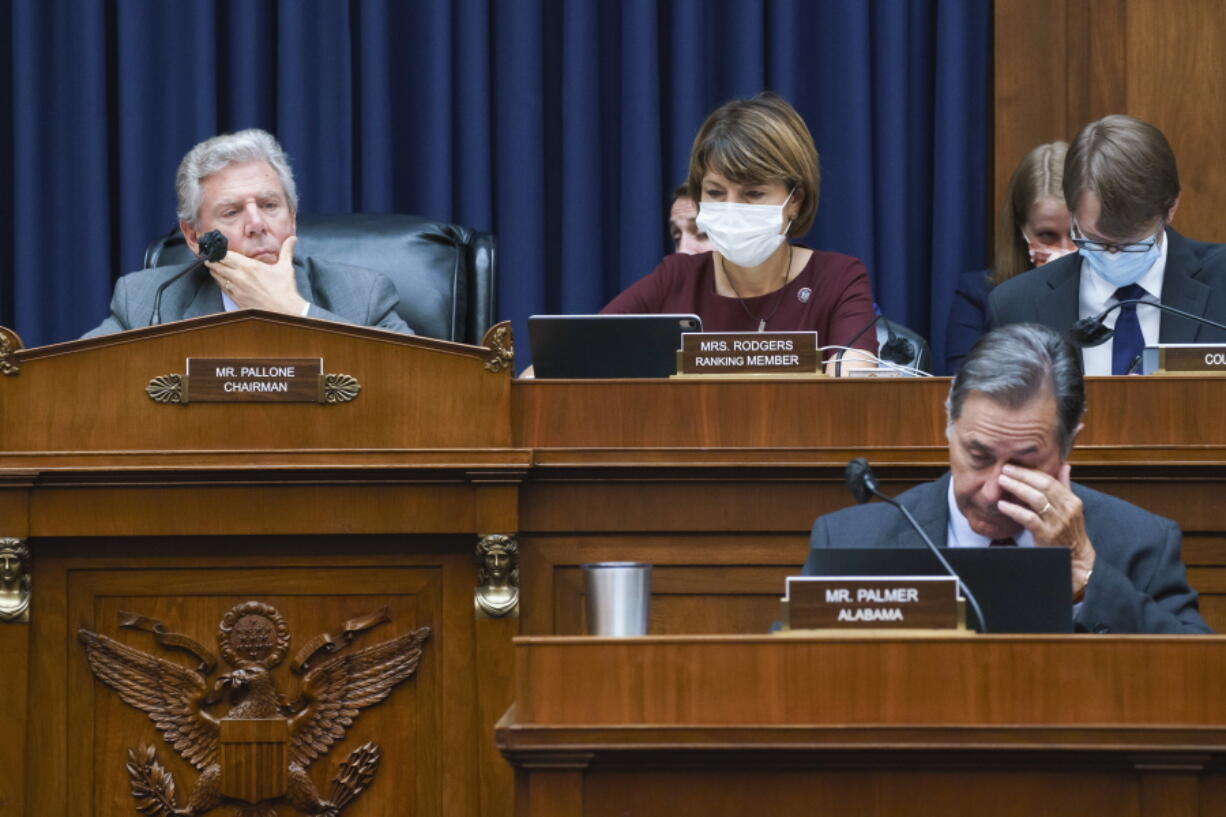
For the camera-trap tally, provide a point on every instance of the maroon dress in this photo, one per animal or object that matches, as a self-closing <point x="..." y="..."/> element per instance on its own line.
<point x="831" y="296"/>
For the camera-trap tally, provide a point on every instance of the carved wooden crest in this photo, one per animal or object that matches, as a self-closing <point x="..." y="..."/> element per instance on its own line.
<point x="256" y="755"/>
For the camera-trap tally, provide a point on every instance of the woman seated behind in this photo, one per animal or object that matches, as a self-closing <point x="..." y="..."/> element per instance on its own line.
<point x="754" y="172"/>
<point x="1033" y="229"/>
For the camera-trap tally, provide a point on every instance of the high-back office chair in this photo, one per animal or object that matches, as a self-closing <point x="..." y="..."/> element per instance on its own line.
<point x="444" y="273"/>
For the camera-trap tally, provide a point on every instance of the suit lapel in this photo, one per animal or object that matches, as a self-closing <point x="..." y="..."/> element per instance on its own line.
<point x="204" y="298"/>
<point x="1181" y="290"/>
<point x="302" y="280"/>
<point x="1058" y="306"/>
<point x="931" y="511"/>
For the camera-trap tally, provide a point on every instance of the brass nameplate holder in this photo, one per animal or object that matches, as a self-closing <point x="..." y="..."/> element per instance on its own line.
<point x="253" y="380"/>
<point x="872" y="603"/>
<point x="1186" y="358"/>
<point x="740" y="354"/>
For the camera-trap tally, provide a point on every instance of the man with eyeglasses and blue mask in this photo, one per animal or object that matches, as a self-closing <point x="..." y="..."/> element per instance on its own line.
<point x="1122" y="186"/>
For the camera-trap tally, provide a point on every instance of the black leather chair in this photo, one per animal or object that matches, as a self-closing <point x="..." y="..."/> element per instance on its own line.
<point x="443" y="272"/>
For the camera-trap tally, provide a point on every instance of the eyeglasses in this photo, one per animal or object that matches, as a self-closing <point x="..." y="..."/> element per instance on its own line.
<point x="1086" y="244"/>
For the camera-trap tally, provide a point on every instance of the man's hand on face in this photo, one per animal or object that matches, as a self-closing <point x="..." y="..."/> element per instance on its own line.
<point x="1052" y="513"/>
<point x="255" y="285"/>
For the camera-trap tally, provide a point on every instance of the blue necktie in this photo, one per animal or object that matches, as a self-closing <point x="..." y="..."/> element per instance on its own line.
<point x="1128" y="343"/>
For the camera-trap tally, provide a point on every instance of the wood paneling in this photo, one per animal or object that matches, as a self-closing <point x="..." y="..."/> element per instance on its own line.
<point x="159" y="509"/>
<point x="1060" y="64"/>
<point x="878" y="726"/>
<point x="14" y="674"/>
<point x="392" y="410"/>
<point x="424" y="721"/>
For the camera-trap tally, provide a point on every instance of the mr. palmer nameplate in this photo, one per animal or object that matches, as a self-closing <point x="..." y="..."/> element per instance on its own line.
<point x="871" y="602"/>
<point x="253" y="380"/>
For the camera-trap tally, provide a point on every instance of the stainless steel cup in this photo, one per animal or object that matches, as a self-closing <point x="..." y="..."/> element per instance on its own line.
<point x="617" y="597"/>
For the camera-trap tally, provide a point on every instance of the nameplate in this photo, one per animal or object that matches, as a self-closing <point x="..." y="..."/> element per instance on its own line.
<point x="725" y="353"/>
<point x="253" y="380"/>
<point x="871" y="603"/>
<point x="1186" y="358"/>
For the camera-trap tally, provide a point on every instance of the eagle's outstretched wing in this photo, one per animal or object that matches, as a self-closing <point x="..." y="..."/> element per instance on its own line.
<point x="169" y="693"/>
<point x="338" y="688"/>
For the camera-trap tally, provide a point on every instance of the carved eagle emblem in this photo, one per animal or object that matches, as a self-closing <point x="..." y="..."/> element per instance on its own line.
<point x="257" y="754"/>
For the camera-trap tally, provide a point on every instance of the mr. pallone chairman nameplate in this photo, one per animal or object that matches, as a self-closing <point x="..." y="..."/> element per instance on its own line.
<point x="253" y="380"/>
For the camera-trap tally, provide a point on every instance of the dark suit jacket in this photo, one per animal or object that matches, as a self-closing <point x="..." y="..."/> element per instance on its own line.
<point x="968" y="318"/>
<point x="1139" y="584"/>
<point x="1194" y="281"/>
<point x="336" y="292"/>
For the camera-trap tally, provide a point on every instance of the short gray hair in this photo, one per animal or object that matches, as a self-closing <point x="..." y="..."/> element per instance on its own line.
<point x="213" y="155"/>
<point x="1013" y="364"/>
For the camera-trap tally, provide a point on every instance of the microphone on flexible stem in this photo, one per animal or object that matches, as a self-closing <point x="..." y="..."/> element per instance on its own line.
<point x="1092" y="331"/>
<point x="895" y="349"/>
<point x="213" y="246"/>
<point x="863" y="486"/>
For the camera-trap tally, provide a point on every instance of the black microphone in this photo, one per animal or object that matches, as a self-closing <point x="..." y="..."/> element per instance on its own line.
<point x="895" y="349"/>
<point x="213" y="246"/>
<point x="1092" y="331"/>
<point x="863" y="486"/>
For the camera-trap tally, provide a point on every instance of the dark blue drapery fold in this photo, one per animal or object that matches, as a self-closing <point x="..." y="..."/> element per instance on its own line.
<point x="559" y="125"/>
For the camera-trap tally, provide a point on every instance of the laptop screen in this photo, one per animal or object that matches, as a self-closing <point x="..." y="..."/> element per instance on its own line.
<point x="1020" y="590"/>
<point x="591" y="346"/>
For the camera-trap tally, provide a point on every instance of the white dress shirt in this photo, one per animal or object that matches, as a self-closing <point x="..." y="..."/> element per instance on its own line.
<point x="1097" y="295"/>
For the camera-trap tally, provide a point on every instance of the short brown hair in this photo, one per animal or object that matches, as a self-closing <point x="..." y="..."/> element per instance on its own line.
<point x="1130" y="166"/>
<point x="751" y="141"/>
<point x="1038" y="176"/>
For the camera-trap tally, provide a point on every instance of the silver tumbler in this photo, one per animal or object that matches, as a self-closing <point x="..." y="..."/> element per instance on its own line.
<point x="617" y="597"/>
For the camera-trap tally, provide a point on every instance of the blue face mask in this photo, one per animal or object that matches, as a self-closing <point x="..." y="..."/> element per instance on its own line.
<point x="1122" y="268"/>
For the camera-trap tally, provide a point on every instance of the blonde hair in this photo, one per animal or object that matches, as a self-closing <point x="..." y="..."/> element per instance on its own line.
<point x="1040" y="175"/>
<point x="751" y="141"/>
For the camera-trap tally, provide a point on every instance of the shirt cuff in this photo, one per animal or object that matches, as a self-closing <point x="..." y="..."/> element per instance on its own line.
<point x="306" y="309"/>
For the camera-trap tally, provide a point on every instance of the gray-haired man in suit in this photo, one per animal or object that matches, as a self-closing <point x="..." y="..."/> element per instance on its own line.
<point x="1014" y="410"/>
<point x="240" y="184"/>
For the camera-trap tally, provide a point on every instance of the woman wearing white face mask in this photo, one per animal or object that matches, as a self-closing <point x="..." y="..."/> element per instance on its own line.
<point x="1033" y="230"/>
<point x="754" y="172"/>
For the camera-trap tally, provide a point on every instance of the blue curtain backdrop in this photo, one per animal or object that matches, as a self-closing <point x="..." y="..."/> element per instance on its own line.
<point x="559" y="125"/>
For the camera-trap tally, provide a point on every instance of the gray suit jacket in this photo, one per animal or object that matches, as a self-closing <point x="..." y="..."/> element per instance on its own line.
<point x="1139" y="584"/>
<point x="336" y="292"/>
<point x="1194" y="281"/>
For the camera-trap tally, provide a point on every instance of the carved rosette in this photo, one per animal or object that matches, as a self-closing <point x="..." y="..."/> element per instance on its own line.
<point x="340" y="388"/>
<point x="501" y="343"/>
<point x="9" y="344"/>
<point x="497" y="593"/>
<point x="14" y="580"/>
<point x="166" y="388"/>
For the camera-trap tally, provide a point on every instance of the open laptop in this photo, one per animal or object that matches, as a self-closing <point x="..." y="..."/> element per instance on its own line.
<point x="589" y="346"/>
<point x="1020" y="590"/>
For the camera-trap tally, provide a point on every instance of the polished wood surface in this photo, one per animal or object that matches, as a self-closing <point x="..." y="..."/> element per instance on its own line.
<point x="1059" y="64"/>
<point x="881" y="725"/>
<point x="182" y="511"/>
<point x="326" y="512"/>
<point x="643" y="471"/>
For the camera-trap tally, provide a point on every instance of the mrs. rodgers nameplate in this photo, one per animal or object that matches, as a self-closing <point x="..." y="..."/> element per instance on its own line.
<point x="748" y="353"/>
<point x="253" y="380"/>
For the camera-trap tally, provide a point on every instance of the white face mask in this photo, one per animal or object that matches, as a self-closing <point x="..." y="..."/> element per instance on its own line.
<point x="745" y="234"/>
